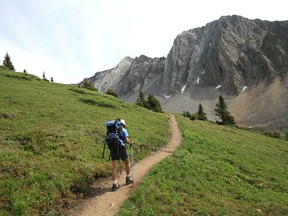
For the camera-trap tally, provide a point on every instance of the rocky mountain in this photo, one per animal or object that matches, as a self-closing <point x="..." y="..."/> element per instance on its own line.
<point x="244" y="60"/>
<point x="130" y="75"/>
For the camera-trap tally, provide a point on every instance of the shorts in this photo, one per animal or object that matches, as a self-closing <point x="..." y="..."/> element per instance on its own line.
<point x="122" y="154"/>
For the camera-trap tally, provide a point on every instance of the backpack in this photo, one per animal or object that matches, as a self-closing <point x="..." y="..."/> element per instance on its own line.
<point x="114" y="135"/>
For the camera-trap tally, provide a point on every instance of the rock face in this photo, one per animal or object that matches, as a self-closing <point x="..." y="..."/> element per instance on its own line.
<point x="130" y="75"/>
<point x="233" y="52"/>
<point x="244" y="60"/>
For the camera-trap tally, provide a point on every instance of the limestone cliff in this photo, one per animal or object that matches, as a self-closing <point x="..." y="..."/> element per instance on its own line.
<point x="244" y="60"/>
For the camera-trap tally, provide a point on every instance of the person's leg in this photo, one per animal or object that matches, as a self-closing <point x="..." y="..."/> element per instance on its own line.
<point x="128" y="171"/>
<point x="124" y="157"/>
<point x="127" y="166"/>
<point x="115" y="164"/>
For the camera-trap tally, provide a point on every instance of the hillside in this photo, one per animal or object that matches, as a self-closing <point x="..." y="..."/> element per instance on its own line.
<point x="51" y="140"/>
<point x="218" y="170"/>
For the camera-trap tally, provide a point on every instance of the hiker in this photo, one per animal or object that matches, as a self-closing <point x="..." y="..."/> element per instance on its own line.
<point x="121" y="153"/>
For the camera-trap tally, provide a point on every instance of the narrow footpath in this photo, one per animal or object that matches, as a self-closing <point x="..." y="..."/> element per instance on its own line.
<point x="108" y="203"/>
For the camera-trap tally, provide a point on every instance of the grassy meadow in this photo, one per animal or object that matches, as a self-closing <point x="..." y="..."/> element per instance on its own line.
<point x="218" y="170"/>
<point x="51" y="142"/>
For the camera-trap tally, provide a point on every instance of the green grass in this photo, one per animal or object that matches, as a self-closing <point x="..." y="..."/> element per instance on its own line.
<point x="51" y="141"/>
<point x="218" y="170"/>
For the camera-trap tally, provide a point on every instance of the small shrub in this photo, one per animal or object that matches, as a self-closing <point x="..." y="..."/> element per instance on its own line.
<point x="286" y="136"/>
<point x="273" y="134"/>
<point x="193" y="117"/>
<point x="20" y="77"/>
<point x="6" y="116"/>
<point x="111" y="92"/>
<point x="79" y="91"/>
<point x="98" y="103"/>
<point x="88" y="85"/>
<point x="187" y="114"/>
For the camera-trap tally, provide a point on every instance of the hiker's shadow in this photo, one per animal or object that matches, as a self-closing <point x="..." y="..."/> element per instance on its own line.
<point x="97" y="191"/>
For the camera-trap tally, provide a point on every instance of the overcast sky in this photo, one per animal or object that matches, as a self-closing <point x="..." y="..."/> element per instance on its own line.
<point x="70" y="40"/>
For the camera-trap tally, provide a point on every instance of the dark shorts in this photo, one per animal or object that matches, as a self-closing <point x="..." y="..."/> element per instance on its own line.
<point x="122" y="154"/>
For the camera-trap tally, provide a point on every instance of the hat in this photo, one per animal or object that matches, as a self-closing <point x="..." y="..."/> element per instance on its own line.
<point x="122" y="121"/>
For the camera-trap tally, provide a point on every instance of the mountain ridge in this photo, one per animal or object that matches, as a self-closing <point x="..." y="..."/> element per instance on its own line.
<point x="230" y="56"/>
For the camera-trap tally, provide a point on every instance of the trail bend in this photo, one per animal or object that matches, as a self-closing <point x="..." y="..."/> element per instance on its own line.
<point x="108" y="203"/>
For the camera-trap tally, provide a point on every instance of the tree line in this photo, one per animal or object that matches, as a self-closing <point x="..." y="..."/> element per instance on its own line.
<point x="7" y="63"/>
<point x="221" y="111"/>
<point x="152" y="103"/>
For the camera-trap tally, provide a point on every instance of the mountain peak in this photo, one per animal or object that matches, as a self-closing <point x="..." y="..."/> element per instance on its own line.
<point x="231" y="56"/>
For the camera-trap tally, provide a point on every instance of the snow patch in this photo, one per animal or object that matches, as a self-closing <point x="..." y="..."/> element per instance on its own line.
<point x="217" y="87"/>
<point x="183" y="89"/>
<point x="197" y="81"/>
<point x="167" y="96"/>
<point x="244" y="88"/>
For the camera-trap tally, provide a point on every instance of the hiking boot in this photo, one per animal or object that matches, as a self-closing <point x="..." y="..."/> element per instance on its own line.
<point x="128" y="180"/>
<point x="115" y="186"/>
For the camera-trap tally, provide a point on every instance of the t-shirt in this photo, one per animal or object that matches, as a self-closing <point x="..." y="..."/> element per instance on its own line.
<point x="124" y="136"/>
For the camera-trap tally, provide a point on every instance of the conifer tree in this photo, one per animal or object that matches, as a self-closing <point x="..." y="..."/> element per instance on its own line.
<point x="154" y="104"/>
<point x="8" y="63"/>
<point x="223" y="113"/>
<point x="201" y="115"/>
<point x="141" y="99"/>
<point x="44" y="77"/>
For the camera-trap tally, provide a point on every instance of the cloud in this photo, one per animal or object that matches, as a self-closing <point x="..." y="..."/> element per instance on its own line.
<point x="72" y="39"/>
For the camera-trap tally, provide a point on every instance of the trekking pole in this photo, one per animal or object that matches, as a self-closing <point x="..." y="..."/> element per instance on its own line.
<point x="132" y="163"/>
<point x="104" y="147"/>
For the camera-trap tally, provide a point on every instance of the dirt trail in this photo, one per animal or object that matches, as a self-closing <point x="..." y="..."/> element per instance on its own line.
<point x="107" y="202"/>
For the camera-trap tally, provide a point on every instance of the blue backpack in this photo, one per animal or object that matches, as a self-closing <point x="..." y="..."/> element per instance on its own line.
<point x="114" y="135"/>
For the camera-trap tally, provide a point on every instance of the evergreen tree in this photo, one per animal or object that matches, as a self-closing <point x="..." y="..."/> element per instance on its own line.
<point x="154" y="104"/>
<point x="8" y="63"/>
<point x="223" y="113"/>
<point x="44" y="77"/>
<point x="141" y="100"/>
<point x="184" y="113"/>
<point x="201" y="115"/>
<point x="187" y="114"/>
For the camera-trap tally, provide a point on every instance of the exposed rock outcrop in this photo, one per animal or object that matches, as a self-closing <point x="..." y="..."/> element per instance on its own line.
<point x="244" y="60"/>
<point x="130" y="75"/>
<point x="232" y="52"/>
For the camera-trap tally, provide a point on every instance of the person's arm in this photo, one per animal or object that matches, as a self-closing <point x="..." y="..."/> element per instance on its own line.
<point x="125" y="136"/>
<point x="130" y="142"/>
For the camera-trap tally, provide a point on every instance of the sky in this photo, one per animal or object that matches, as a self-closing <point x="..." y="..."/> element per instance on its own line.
<point x="70" y="40"/>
